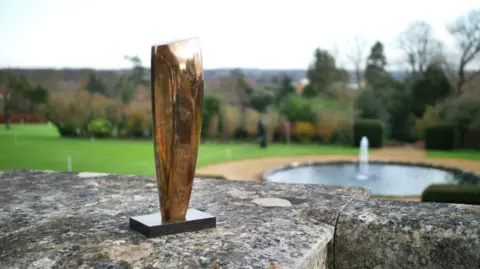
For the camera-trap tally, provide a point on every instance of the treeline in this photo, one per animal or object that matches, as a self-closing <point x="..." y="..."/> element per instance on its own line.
<point x="438" y="89"/>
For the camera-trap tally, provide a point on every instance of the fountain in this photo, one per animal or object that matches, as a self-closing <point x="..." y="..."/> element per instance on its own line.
<point x="363" y="161"/>
<point x="382" y="178"/>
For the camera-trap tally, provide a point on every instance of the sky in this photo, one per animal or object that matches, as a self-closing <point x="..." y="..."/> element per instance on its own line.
<point x="246" y="34"/>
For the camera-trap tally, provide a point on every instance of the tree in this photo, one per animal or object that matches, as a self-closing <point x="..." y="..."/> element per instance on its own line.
<point x="322" y="74"/>
<point x="95" y="85"/>
<point x="286" y="88"/>
<point x="418" y="45"/>
<point x="356" y="56"/>
<point x="431" y="88"/>
<point x="369" y="106"/>
<point x="211" y="107"/>
<point x="466" y="32"/>
<point x="261" y="99"/>
<point x="244" y="92"/>
<point x="375" y="73"/>
<point x="126" y="85"/>
<point x="36" y="96"/>
<point x="295" y="108"/>
<point x="14" y="98"/>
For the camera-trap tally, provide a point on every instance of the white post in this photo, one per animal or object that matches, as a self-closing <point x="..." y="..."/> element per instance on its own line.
<point x="69" y="163"/>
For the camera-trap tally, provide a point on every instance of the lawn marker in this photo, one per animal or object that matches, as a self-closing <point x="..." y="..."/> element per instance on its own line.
<point x="69" y="163"/>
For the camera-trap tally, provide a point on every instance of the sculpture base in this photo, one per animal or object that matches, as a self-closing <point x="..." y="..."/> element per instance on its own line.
<point x="152" y="226"/>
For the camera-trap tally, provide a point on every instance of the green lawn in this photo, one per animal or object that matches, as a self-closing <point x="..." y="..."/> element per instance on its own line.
<point x="459" y="154"/>
<point x="40" y="147"/>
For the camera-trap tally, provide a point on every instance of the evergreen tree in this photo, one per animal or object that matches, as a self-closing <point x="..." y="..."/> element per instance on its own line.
<point x="322" y="74"/>
<point x="95" y="85"/>
<point x="376" y="75"/>
<point x="286" y="88"/>
<point x="431" y="88"/>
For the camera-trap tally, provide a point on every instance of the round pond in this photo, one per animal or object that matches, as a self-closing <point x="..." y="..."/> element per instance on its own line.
<point x="382" y="179"/>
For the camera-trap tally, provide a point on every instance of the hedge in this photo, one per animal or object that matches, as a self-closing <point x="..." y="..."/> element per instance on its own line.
<point x="374" y="130"/>
<point x="452" y="193"/>
<point x="440" y="137"/>
<point x="472" y="138"/>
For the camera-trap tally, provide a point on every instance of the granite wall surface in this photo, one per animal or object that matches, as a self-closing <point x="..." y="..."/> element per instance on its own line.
<point x="80" y="220"/>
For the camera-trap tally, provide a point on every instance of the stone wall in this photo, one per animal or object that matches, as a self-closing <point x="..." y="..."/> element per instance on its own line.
<point x="80" y="220"/>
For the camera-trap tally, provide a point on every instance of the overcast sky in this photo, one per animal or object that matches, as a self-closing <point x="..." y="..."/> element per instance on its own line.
<point x="248" y="34"/>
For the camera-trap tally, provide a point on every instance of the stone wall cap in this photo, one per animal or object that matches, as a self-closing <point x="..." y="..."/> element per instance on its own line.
<point x="64" y="220"/>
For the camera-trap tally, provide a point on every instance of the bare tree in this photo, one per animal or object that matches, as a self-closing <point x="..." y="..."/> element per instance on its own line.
<point x="357" y="56"/>
<point x="419" y="45"/>
<point x="466" y="31"/>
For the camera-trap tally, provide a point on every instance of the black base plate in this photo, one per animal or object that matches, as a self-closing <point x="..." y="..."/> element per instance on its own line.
<point x="152" y="226"/>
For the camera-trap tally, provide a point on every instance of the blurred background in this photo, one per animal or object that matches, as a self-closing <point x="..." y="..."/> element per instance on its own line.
<point x="282" y="79"/>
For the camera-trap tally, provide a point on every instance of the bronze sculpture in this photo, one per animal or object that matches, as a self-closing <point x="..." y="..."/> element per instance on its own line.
<point x="177" y="103"/>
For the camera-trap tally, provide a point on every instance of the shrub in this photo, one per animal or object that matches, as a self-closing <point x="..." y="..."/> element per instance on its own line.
<point x="212" y="129"/>
<point x="135" y="125"/>
<point x="137" y="121"/>
<point x="231" y="118"/>
<point x="272" y="122"/>
<point x="332" y="122"/>
<point x="325" y="132"/>
<point x="440" y="137"/>
<point x="451" y="193"/>
<point x="344" y="135"/>
<point x="252" y="118"/>
<point x="68" y="112"/>
<point x="295" y="108"/>
<point x="374" y="130"/>
<point x="72" y="112"/>
<point x="370" y="106"/>
<point x="430" y="117"/>
<point x="463" y="110"/>
<point x="240" y="133"/>
<point x="304" y="132"/>
<point x="100" y="127"/>
<point x="67" y="130"/>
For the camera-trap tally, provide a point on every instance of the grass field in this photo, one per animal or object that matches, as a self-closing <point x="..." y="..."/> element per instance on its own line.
<point x="458" y="154"/>
<point x="40" y="147"/>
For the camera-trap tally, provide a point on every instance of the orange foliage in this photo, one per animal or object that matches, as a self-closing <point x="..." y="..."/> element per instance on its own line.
<point x="304" y="131"/>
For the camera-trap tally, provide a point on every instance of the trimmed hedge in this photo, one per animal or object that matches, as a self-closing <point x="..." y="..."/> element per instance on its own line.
<point x="374" y="130"/>
<point x="451" y="193"/>
<point x="472" y="138"/>
<point x="440" y="137"/>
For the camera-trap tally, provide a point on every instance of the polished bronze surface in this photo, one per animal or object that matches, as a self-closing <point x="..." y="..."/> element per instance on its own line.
<point x="177" y="100"/>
